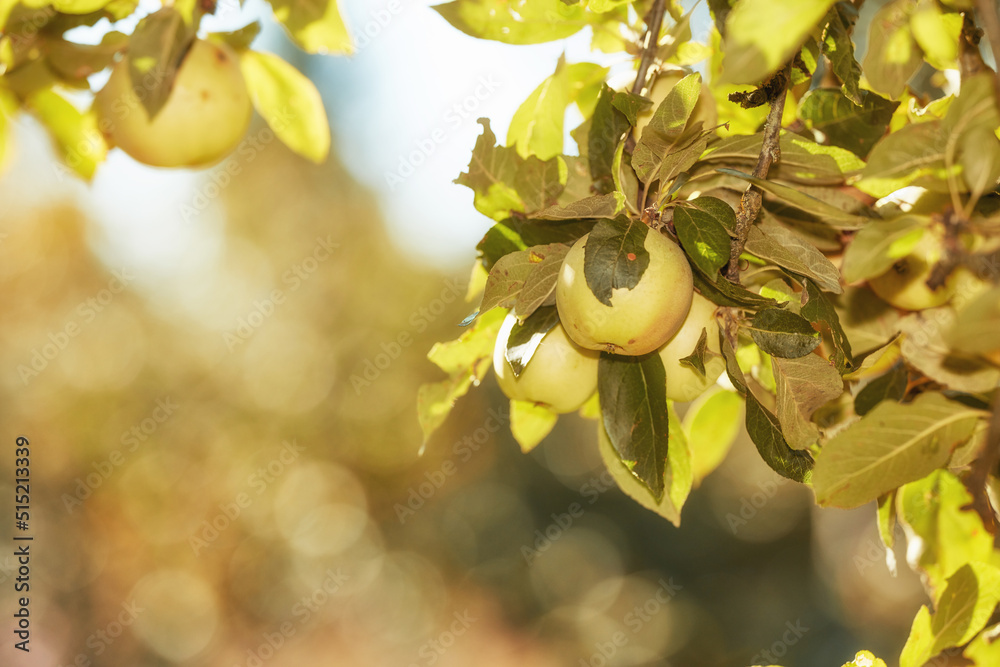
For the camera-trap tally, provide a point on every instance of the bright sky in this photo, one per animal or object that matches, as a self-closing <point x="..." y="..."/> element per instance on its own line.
<point x="405" y="104"/>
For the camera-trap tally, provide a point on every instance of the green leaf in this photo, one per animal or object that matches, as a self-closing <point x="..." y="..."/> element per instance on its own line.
<point x="466" y="360"/>
<point x="525" y="337"/>
<point x="912" y="155"/>
<point x="924" y="348"/>
<point x="156" y="49"/>
<point x="893" y="56"/>
<point x="74" y="62"/>
<point x="787" y="249"/>
<point x="984" y="650"/>
<point x="665" y="131"/>
<point x="491" y="175"/>
<point x="827" y="213"/>
<point x="725" y="293"/>
<point x="839" y="49"/>
<point x="315" y="25"/>
<point x="634" y="414"/>
<point x="537" y="125"/>
<point x="513" y="234"/>
<point x="615" y="257"/>
<point x="949" y="536"/>
<point x="753" y="52"/>
<point x="507" y="276"/>
<point x="963" y="609"/>
<point x="677" y="476"/>
<point x="539" y="183"/>
<point x="630" y="105"/>
<point x="530" y="423"/>
<point x="764" y="429"/>
<point x="80" y="144"/>
<point x="515" y="22"/>
<point x="937" y="34"/>
<point x="696" y="360"/>
<point x="878" y="246"/>
<point x="717" y="209"/>
<point x="970" y="124"/>
<point x="886" y="516"/>
<point x="888" y="387"/>
<point x="856" y="126"/>
<point x="289" y="102"/>
<point x="239" y="39"/>
<point x="976" y="324"/>
<point x="819" y="310"/>
<point x="801" y="160"/>
<point x="598" y="206"/>
<point x="703" y="238"/>
<point x="711" y="425"/>
<point x="540" y="285"/>
<point x="608" y="126"/>
<point x="803" y="386"/>
<point x="865" y="659"/>
<point x="783" y="334"/>
<point x="893" y="444"/>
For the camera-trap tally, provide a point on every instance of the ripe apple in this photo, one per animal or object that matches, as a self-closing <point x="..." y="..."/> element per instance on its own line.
<point x="905" y="284"/>
<point x="704" y="110"/>
<point x="639" y="320"/>
<point x="203" y="120"/>
<point x="560" y="374"/>
<point x="683" y="382"/>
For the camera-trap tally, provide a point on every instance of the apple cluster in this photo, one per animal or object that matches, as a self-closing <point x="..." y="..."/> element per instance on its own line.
<point x="661" y="315"/>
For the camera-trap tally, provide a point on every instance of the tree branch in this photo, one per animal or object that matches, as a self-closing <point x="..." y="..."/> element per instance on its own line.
<point x="652" y="41"/>
<point x="770" y="152"/>
<point x="983" y="467"/>
<point x="987" y="12"/>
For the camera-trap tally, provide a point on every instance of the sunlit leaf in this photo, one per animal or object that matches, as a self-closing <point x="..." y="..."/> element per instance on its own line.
<point x="289" y="102"/>
<point x="530" y="423"/>
<point x="711" y="425"/>
<point x="315" y="25"/>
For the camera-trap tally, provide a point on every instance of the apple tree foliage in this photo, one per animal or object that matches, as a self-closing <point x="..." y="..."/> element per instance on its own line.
<point x="46" y="72"/>
<point x="840" y="209"/>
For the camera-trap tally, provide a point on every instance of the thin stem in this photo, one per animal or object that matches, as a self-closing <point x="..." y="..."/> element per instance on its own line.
<point x="654" y="22"/>
<point x="983" y="467"/>
<point x="770" y="152"/>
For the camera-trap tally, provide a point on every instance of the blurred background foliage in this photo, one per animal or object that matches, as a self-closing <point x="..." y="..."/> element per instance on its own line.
<point x="277" y="512"/>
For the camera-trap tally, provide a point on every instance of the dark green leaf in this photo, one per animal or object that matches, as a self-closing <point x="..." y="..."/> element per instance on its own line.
<point x="538" y="183"/>
<point x="888" y="387"/>
<point x="615" y="257"/>
<point x="845" y="123"/>
<point x="783" y="334"/>
<point x="722" y="212"/>
<point x="819" y="310"/>
<point x="634" y="412"/>
<point x="838" y="47"/>
<point x="156" y="49"/>
<point x="630" y="105"/>
<point x="607" y="127"/>
<point x="696" y="360"/>
<point x="725" y="293"/>
<point x="72" y="61"/>
<point x="665" y="132"/>
<point x="764" y="429"/>
<point x="703" y="237"/>
<point x="525" y="337"/>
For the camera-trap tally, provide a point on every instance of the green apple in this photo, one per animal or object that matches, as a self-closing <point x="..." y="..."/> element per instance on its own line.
<point x="905" y="284"/>
<point x="639" y="320"/>
<point x="560" y="374"/>
<point x="683" y="382"/>
<point x="204" y="119"/>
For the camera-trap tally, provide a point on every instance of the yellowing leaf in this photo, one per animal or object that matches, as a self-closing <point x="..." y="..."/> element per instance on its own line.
<point x="711" y="425"/>
<point x="761" y="35"/>
<point x="315" y="25"/>
<point x="892" y="445"/>
<point x="530" y="423"/>
<point x="80" y="143"/>
<point x="289" y="102"/>
<point x="937" y="34"/>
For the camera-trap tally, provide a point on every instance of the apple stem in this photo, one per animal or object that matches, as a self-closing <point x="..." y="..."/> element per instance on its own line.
<point x="770" y="152"/>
